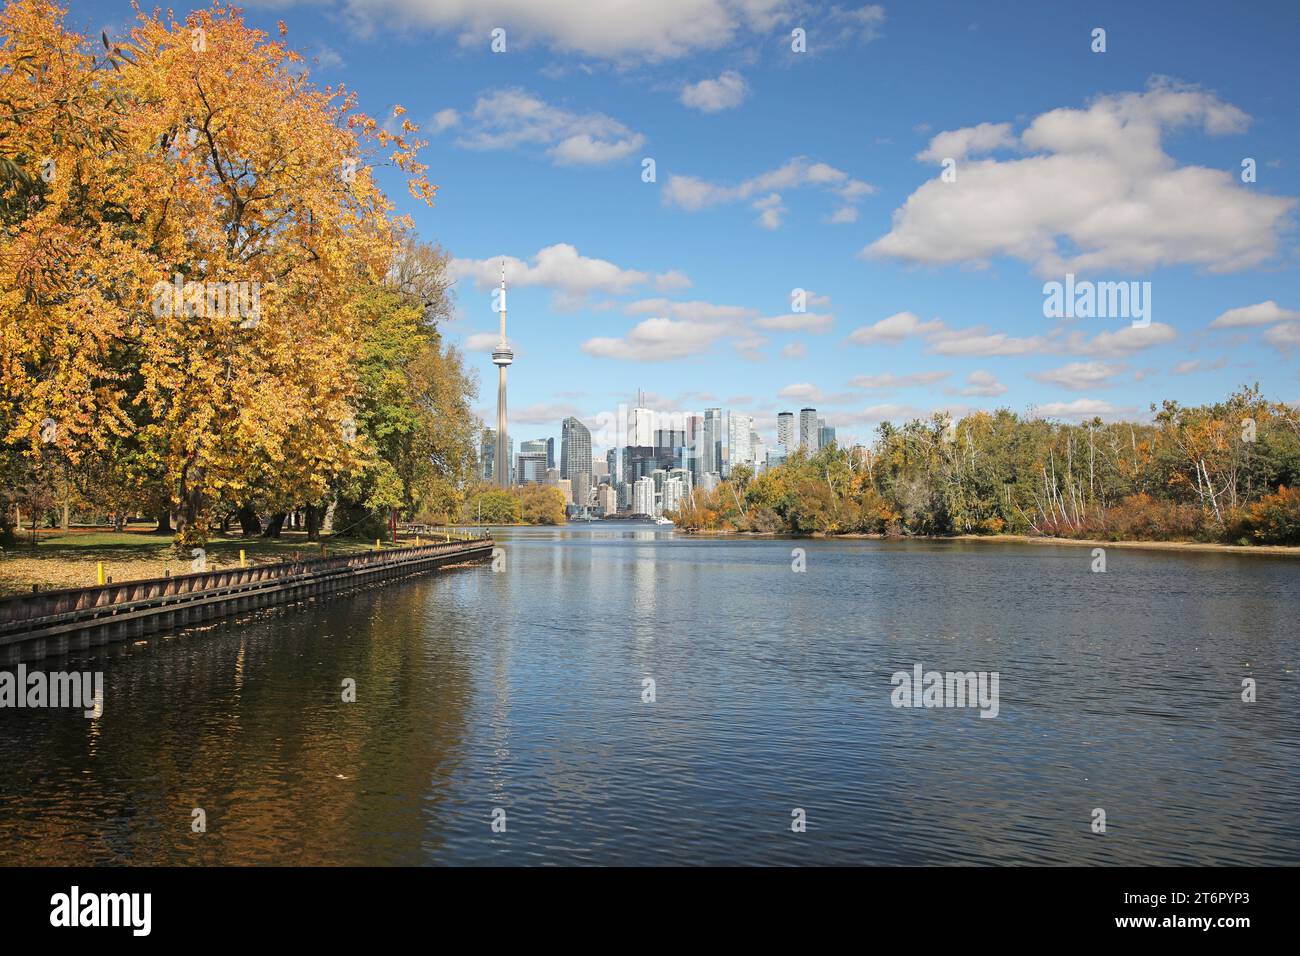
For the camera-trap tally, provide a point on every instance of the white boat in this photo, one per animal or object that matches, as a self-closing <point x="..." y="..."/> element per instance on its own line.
<point x="662" y="520"/>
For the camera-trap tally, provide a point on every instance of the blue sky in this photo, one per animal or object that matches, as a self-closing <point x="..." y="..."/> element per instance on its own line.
<point x="777" y="170"/>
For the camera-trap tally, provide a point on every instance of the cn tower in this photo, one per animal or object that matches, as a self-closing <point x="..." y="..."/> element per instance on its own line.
<point x="502" y="356"/>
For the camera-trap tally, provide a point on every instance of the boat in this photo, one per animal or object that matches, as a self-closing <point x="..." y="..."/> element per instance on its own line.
<point x="662" y="520"/>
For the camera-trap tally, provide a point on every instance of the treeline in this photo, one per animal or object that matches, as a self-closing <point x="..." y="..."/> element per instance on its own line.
<point x="1228" y="472"/>
<point x="522" y="504"/>
<point x="208" y="308"/>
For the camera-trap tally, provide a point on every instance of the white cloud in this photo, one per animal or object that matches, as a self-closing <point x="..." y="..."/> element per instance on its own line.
<point x="893" y="329"/>
<point x="959" y="143"/>
<point x="560" y="267"/>
<point x="443" y="120"/>
<point x="692" y="311"/>
<point x="843" y="215"/>
<point x="797" y="322"/>
<point x="608" y="29"/>
<point x="978" y="340"/>
<point x="1262" y="313"/>
<point x="807" y="392"/>
<point x="1285" y="336"/>
<point x="1196" y="365"/>
<point x="795" y="350"/>
<point x="711" y="96"/>
<point x="510" y="118"/>
<point x="1124" y="341"/>
<point x="888" y="381"/>
<point x="1081" y="376"/>
<point x="764" y="190"/>
<point x="1081" y="409"/>
<point x="982" y="383"/>
<point x="672" y="281"/>
<point x="481" y="341"/>
<point x="1100" y="192"/>
<point x="658" y="340"/>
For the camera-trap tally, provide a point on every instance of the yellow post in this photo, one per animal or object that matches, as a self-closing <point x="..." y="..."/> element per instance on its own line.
<point x="242" y="562"/>
<point x="99" y="572"/>
<point x="417" y="540"/>
<point x="377" y="545"/>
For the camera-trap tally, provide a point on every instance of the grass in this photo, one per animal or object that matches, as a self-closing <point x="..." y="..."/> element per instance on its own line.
<point x="70" y="559"/>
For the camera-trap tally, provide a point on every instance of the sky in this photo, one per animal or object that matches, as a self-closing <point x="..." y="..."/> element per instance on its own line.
<point x="919" y="170"/>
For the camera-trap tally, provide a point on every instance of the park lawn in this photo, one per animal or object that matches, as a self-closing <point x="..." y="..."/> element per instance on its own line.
<point x="70" y="559"/>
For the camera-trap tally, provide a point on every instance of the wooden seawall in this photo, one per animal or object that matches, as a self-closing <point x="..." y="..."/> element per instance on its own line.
<point x="51" y="623"/>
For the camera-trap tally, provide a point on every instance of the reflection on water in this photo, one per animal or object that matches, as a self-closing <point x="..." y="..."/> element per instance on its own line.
<point x="522" y="691"/>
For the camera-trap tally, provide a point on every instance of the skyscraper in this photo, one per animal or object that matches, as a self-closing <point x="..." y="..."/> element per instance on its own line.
<point x="575" y="459"/>
<point x="502" y="356"/>
<point x="487" y="455"/>
<point x="808" y="430"/>
<point x="785" y="430"/>
<point x="711" y="444"/>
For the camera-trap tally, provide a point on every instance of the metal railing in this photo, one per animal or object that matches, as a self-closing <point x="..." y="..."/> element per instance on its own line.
<point x="42" y="609"/>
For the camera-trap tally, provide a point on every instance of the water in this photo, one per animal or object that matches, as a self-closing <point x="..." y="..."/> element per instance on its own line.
<point x="522" y="690"/>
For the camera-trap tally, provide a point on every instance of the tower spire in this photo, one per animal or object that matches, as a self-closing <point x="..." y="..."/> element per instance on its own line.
<point x="503" y="298"/>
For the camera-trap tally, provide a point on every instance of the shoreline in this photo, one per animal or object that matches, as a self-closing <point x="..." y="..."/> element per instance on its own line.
<point x="1273" y="550"/>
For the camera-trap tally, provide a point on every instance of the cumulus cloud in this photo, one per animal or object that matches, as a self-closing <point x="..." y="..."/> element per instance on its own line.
<point x="960" y="143"/>
<point x="979" y="340"/>
<point x="659" y="340"/>
<point x="797" y="322"/>
<point x="764" y="191"/>
<point x="712" y="96"/>
<point x="443" y="120"/>
<point x="560" y="267"/>
<point x="1081" y="376"/>
<point x="1124" y="341"/>
<point x="807" y="392"/>
<point x="1097" y="191"/>
<point x="983" y="384"/>
<point x="1262" y="313"/>
<point x="888" y="381"/>
<point x="602" y="29"/>
<point x="894" y="329"/>
<point x="795" y="350"/>
<point x="1081" y="409"/>
<point x="511" y="118"/>
<point x="1285" y="336"/>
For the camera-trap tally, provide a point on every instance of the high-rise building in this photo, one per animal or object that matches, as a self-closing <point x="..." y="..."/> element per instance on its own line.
<point x="825" y="435"/>
<point x="643" y="496"/>
<point x="711" y="446"/>
<point x="808" y="430"/>
<point x="674" y="494"/>
<point x="640" y="427"/>
<point x="785" y="431"/>
<point x="502" y="356"/>
<point x="530" y="466"/>
<point x="575" y="459"/>
<point x="608" y="500"/>
<point x="737" y="449"/>
<point x="487" y="454"/>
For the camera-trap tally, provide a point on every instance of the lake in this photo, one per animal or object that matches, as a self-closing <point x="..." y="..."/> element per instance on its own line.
<point x="507" y="716"/>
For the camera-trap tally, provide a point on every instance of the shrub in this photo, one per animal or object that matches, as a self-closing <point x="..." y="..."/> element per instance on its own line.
<point x="1275" y="518"/>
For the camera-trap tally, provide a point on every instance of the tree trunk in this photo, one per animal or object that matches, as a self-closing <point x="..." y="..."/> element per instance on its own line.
<point x="274" y="525"/>
<point x="164" y="521"/>
<point x="249" y="523"/>
<point x="313" y="523"/>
